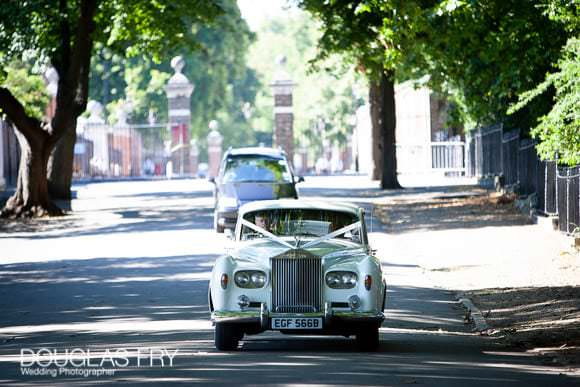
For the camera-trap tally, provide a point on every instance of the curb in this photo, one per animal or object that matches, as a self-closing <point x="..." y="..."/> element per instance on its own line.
<point x="474" y="313"/>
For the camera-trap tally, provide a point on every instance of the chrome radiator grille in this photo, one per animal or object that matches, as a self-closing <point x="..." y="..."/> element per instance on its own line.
<point x="296" y="282"/>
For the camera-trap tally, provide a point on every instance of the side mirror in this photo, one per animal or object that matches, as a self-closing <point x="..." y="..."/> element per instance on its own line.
<point x="229" y="234"/>
<point x="211" y="180"/>
<point x="300" y="179"/>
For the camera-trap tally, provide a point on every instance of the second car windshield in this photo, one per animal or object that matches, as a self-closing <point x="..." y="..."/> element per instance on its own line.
<point x="254" y="168"/>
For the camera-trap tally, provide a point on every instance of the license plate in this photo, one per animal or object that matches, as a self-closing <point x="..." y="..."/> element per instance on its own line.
<point x="297" y="323"/>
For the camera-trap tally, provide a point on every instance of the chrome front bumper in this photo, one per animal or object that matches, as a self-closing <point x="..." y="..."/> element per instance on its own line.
<point x="262" y="316"/>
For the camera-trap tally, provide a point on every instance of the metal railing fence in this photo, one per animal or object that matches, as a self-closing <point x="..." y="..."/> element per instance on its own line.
<point x="494" y="153"/>
<point x="568" y="183"/>
<point x="102" y="150"/>
<point x="509" y="156"/>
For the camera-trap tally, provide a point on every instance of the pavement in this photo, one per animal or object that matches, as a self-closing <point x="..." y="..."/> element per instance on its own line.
<point x="125" y="277"/>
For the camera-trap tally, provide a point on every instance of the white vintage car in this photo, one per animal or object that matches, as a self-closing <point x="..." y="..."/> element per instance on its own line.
<point x="298" y="267"/>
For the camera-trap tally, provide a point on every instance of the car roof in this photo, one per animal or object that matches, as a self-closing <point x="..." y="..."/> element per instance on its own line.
<point x="256" y="151"/>
<point x="298" y="204"/>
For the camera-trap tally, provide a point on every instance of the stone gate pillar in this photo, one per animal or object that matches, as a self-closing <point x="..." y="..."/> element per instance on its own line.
<point x="178" y="90"/>
<point x="283" y="117"/>
<point x="214" y="149"/>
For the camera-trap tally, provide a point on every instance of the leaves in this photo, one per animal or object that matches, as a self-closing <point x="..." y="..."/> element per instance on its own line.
<point x="28" y="88"/>
<point x="559" y="130"/>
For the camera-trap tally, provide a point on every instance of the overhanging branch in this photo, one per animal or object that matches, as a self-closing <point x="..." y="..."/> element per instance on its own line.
<point x="27" y="125"/>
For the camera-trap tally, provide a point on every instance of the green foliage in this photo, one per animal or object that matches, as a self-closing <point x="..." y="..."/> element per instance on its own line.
<point x="484" y="54"/>
<point x="371" y="34"/>
<point x="27" y="88"/>
<point x="128" y="26"/>
<point x="323" y="100"/>
<point x="559" y="130"/>
<point x="223" y="83"/>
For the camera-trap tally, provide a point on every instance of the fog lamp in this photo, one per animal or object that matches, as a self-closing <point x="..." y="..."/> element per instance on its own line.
<point x="243" y="301"/>
<point x="354" y="302"/>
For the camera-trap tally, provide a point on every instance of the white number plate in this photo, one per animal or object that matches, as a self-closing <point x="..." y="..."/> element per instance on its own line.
<point x="297" y="323"/>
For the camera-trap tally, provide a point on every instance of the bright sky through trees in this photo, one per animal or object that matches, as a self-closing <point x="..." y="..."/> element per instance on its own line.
<point x="257" y="11"/>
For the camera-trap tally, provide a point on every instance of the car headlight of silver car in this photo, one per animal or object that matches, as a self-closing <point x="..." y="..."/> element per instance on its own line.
<point x="250" y="279"/>
<point x="341" y="279"/>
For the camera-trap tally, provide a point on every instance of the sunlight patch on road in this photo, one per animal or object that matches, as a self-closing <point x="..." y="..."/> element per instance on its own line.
<point x="523" y="367"/>
<point x="112" y="326"/>
<point x="439" y="331"/>
<point x="173" y="277"/>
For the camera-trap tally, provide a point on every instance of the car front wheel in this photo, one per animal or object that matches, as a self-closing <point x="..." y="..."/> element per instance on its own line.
<point x="368" y="337"/>
<point x="226" y="337"/>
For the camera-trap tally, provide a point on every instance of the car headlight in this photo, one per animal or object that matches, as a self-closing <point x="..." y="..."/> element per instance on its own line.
<point x="341" y="279"/>
<point x="250" y="279"/>
<point x="228" y="202"/>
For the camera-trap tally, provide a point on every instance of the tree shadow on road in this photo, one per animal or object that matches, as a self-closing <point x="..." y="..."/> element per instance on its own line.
<point x="161" y="302"/>
<point x="126" y="219"/>
<point x="446" y="213"/>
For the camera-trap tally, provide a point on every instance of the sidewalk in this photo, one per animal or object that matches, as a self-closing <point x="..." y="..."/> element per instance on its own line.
<point x="523" y="277"/>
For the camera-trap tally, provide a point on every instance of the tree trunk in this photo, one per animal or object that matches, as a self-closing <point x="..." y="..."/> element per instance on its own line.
<point x="389" y="173"/>
<point x="60" y="166"/>
<point x="37" y="140"/>
<point x="31" y="198"/>
<point x="376" y="102"/>
<point x="383" y="118"/>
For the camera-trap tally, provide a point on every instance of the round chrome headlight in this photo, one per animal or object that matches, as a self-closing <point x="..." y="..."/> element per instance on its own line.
<point x="341" y="279"/>
<point x="250" y="279"/>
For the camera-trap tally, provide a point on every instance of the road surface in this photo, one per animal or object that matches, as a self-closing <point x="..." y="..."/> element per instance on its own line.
<point x="122" y="284"/>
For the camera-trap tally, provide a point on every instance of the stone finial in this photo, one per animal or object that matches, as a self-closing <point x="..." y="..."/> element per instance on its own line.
<point x="177" y="64"/>
<point x="214" y="138"/>
<point x="281" y="60"/>
<point x="178" y="79"/>
<point x="178" y="85"/>
<point x="95" y="110"/>
<point x="282" y="82"/>
<point x="281" y="75"/>
<point x="213" y="125"/>
<point x="123" y="112"/>
<point x="51" y="76"/>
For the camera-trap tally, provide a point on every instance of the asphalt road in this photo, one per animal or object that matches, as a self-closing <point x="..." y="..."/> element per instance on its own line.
<point x="124" y="283"/>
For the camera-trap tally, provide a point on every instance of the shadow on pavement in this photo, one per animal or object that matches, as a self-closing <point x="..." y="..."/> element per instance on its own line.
<point x="433" y="214"/>
<point x="108" y="304"/>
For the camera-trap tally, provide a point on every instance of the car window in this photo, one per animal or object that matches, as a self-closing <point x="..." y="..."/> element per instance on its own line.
<point x="301" y="223"/>
<point x="255" y="168"/>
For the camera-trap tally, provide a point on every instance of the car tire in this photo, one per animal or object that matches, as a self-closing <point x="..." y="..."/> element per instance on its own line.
<point x="226" y="337"/>
<point x="219" y="229"/>
<point x="367" y="337"/>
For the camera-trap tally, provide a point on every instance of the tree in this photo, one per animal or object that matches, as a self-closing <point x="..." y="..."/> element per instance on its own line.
<point x="323" y="100"/>
<point x="373" y="35"/>
<point x="224" y="85"/>
<point x="485" y="53"/>
<point x="559" y="129"/>
<point x="63" y="33"/>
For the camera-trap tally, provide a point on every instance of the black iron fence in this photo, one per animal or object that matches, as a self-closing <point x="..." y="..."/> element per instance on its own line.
<point x="568" y="194"/>
<point x="495" y="153"/>
<point x="486" y="158"/>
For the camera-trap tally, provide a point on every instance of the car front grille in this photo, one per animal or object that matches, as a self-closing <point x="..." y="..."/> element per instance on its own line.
<point x="296" y="282"/>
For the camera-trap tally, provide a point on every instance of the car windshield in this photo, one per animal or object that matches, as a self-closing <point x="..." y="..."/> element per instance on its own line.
<point x="255" y="168"/>
<point x="300" y="223"/>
